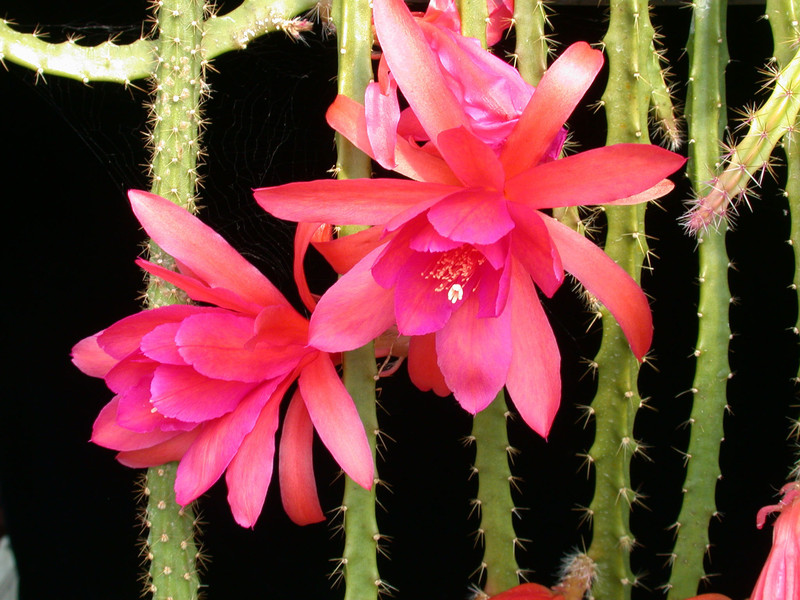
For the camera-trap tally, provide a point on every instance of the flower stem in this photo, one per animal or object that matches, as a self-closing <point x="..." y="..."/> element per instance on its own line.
<point x="533" y="48"/>
<point x="705" y="115"/>
<point x="494" y="496"/>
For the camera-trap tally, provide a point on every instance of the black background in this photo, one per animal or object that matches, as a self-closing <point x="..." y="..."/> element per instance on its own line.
<point x="70" y="153"/>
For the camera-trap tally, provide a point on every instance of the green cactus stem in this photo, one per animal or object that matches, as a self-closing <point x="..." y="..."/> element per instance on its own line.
<point x="359" y="562"/>
<point x="744" y="163"/>
<point x="474" y="17"/>
<point x="532" y="46"/>
<point x="171" y="549"/>
<point x="626" y="99"/>
<point x="663" y="109"/>
<point x="784" y="19"/>
<point x="493" y="501"/>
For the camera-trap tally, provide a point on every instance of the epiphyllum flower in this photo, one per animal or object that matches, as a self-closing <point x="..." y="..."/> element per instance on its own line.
<point x="780" y="577"/>
<point x="464" y="244"/>
<point x="203" y="384"/>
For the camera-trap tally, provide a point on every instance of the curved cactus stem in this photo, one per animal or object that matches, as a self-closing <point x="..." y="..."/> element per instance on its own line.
<point x="104" y="62"/>
<point x="252" y="19"/>
<point x="171" y="549"/>
<point x="533" y="47"/>
<point x="664" y="113"/>
<point x="706" y="118"/>
<point x="494" y="501"/>
<point x="626" y="99"/>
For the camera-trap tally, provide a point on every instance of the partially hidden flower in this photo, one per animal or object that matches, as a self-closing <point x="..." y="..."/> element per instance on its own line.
<point x="528" y="591"/>
<point x="203" y="384"/>
<point x="459" y="252"/>
<point x="780" y="577"/>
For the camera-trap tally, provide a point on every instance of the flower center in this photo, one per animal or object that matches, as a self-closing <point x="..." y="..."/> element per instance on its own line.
<point x="453" y="271"/>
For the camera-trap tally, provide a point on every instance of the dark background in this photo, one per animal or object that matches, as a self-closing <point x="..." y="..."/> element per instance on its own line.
<point x="72" y="150"/>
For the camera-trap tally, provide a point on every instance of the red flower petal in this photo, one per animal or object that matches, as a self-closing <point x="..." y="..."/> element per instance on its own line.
<point x="296" y="466"/>
<point x="608" y="281"/>
<point x="107" y="432"/>
<point x="473" y="162"/>
<point x="168" y="451"/>
<point x="90" y="358"/>
<point x="201" y="249"/>
<point x="423" y="367"/>
<point x="534" y="376"/>
<point x="474" y="216"/>
<point x="336" y="419"/>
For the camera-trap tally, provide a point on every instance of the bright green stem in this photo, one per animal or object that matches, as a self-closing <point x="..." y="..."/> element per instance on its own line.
<point x="474" y="16"/>
<point x="532" y="49"/>
<point x="171" y="548"/>
<point x="104" y="62"/>
<point x="705" y="115"/>
<point x="494" y="497"/>
<point x="353" y="21"/>
<point x="626" y="99"/>
<point x="362" y="537"/>
<point x="784" y="19"/>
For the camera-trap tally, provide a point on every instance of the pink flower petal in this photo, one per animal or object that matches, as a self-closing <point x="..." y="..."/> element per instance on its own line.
<point x="90" y="358"/>
<point x="416" y="69"/>
<point x="182" y="393"/>
<point x="107" y="432"/>
<point x="534" y="376"/>
<point x="557" y="95"/>
<point x="134" y="371"/>
<point x="421" y="304"/>
<point x="474" y="216"/>
<point x="250" y="471"/>
<point x="296" y="466"/>
<point x="159" y="345"/>
<point x="382" y="112"/>
<point x="473" y="162"/>
<point x="346" y="201"/>
<point x="343" y="253"/>
<point x="303" y="235"/>
<point x="596" y="176"/>
<point x="608" y="282"/>
<point x="217" y="443"/>
<point x="474" y="355"/>
<point x="534" y="248"/>
<point x="216" y="346"/>
<point x="354" y="311"/>
<point x="201" y="249"/>
<point x="336" y="419"/>
<point x="423" y="367"/>
<point x="168" y="451"/>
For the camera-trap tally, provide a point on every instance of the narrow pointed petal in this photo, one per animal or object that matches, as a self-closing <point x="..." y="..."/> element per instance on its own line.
<point x="474" y="355"/>
<point x="608" y="282"/>
<point x="382" y="112"/>
<point x="415" y="67"/>
<point x="217" y="444"/>
<point x="558" y="93"/>
<point x="159" y="345"/>
<point x="108" y="433"/>
<point x="473" y="162"/>
<point x="90" y="358"/>
<point x="303" y="235"/>
<point x="250" y="471"/>
<point x="202" y="249"/>
<point x="423" y="368"/>
<point x="171" y="450"/>
<point x="534" y="376"/>
<point x="596" y="176"/>
<point x="354" y="311"/>
<point x="474" y="216"/>
<point x="336" y="419"/>
<point x="346" y="201"/>
<point x="216" y="346"/>
<point x="347" y="117"/>
<point x="182" y="393"/>
<point x="534" y="248"/>
<point x="343" y="253"/>
<point x="296" y="465"/>
<point x="662" y="188"/>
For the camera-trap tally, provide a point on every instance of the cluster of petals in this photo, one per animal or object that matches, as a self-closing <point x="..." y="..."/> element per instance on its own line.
<point x="203" y="384"/>
<point x="535" y="591"/>
<point x="780" y="577"/>
<point x="444" y="13"/>
<point x="456" y="255"/>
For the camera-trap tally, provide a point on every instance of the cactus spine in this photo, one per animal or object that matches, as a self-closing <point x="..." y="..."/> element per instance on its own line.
<point x="533" y="47"/>
<point x="627" y="97"/>
<point x="706" y="117"/>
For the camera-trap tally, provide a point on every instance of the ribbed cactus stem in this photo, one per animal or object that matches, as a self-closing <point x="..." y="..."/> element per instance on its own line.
<point x="494" y="503"/>
<point x="744" y="163"/>
<point x="626" y="99"/>
<point x="665" y="117"/>
<point x="171" y="549"/>
<point x="706" y="118"/>
<point x="784" y="19"/>
<point x="359" y="563"/>
<point x="533" y="47"/>
<point x="474" y="18"/>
